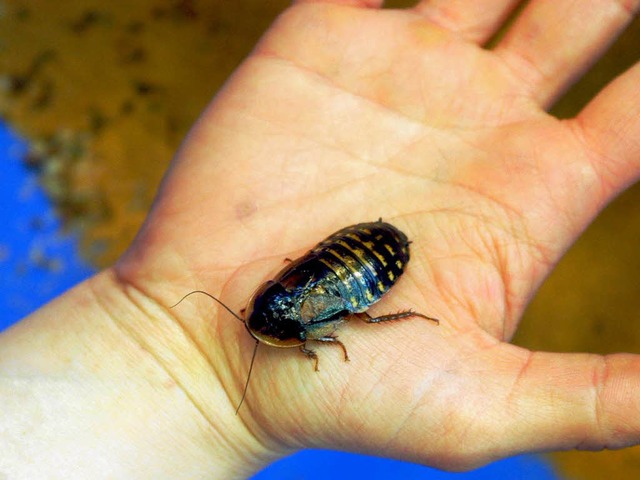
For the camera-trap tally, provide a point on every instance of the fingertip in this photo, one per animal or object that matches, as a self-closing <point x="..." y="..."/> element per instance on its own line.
<point x="616" y="404"/>
<point x="348" y="3"/>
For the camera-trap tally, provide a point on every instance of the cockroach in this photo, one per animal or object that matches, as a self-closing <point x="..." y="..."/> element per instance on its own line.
<point x="312" y="296"/>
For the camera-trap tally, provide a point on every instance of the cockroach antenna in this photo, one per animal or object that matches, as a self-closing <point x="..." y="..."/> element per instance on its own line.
<point x="213" y="298"/>
<point x="246" y="385"/>
<point x="255" y="350"/>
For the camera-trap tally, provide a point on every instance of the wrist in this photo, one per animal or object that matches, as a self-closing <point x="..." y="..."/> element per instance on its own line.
<point x="116" y="379"/>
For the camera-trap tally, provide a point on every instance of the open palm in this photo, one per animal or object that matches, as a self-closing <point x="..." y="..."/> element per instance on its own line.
<point x="345" y="113"/>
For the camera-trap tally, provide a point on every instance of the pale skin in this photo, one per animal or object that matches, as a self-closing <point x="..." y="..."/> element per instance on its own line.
<point x="345" y="113"/>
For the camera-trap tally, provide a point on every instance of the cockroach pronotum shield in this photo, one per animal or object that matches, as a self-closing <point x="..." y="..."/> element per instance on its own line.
<point x="341" y="277"/>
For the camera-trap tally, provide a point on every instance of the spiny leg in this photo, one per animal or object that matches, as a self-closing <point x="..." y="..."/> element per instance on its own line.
<point x="331" y="339"/>
<point x="395" y="316"/>
<point x="310" y="354"/>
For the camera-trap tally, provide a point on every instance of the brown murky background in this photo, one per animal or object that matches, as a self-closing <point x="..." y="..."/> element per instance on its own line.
<point x="107" y="90"/>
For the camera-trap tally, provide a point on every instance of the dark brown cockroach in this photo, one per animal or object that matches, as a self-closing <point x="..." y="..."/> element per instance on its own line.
<point x="342" y="276"/>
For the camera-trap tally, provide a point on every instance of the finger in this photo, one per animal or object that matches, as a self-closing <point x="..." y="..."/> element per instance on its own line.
<point x="567" y="401"/>
<point x="349" y="3"/>
<point x="502" y="402"/>
<point x="537" y="401"/>
<point x="609" y="128"/>
<point x="554" y="41"/>
<point x="473" y="21"/>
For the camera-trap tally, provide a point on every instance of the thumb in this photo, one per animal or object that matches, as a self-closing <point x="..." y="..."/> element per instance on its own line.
<point x="559" y="401"/>
<point x="502" y="401"/>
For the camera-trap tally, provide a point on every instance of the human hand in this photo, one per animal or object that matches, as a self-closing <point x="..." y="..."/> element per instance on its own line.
<point x="345" y="113"/>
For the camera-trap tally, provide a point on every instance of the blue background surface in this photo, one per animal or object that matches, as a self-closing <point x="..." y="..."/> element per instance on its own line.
<point x="39" y="262"/>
